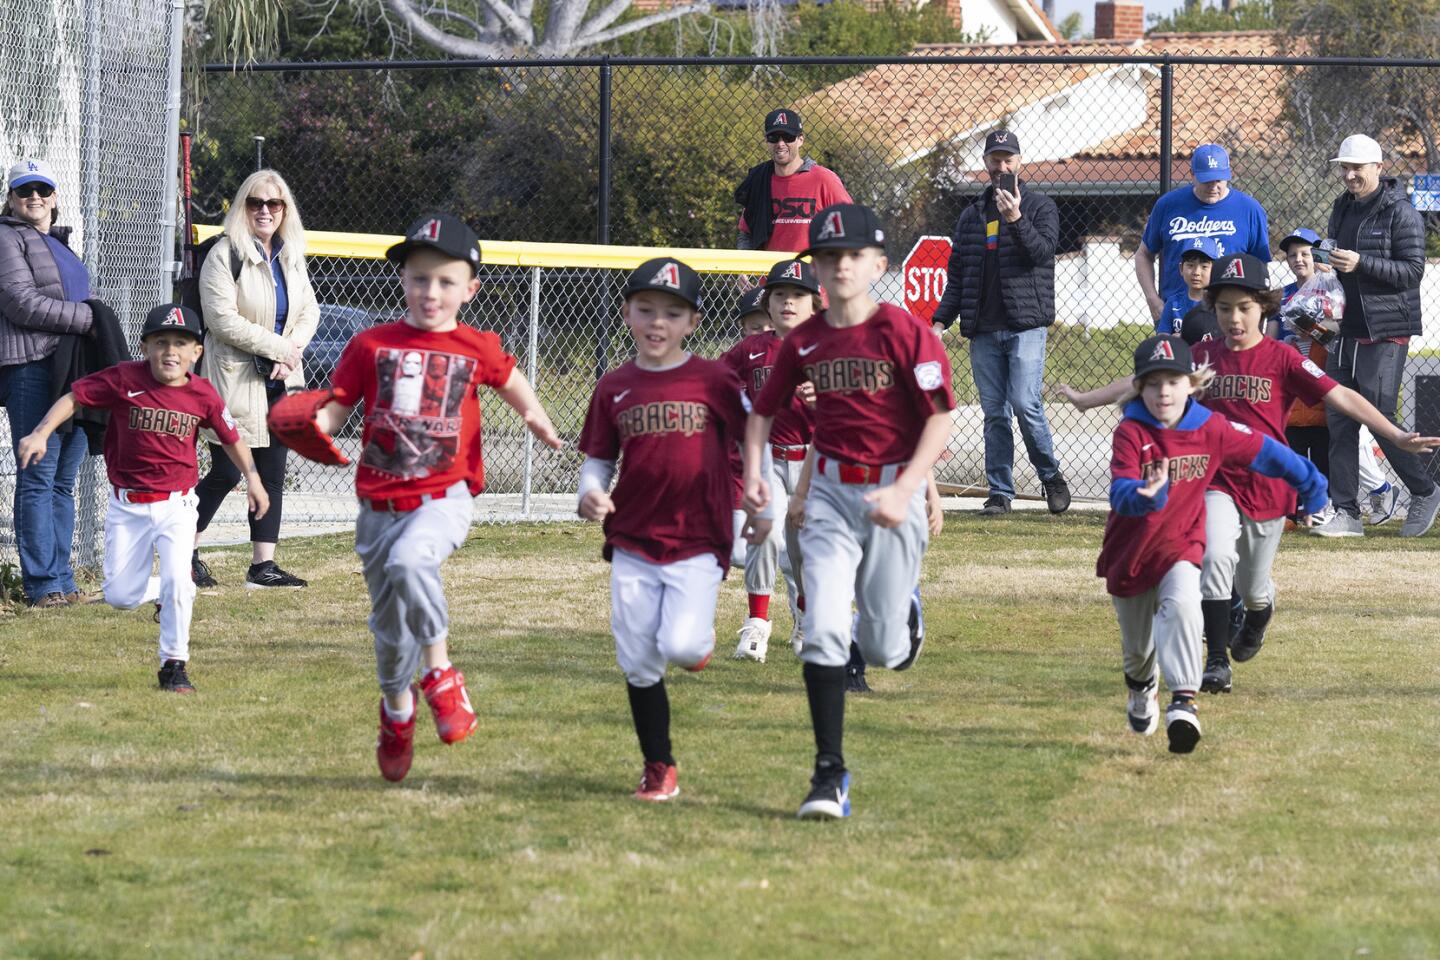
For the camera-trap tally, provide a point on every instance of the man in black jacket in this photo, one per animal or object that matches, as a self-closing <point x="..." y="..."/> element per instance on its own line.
<point x="1000" y="282"/>
<point x="1379" y="258"/>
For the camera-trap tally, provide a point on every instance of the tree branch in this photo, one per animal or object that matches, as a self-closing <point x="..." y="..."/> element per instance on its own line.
<point x="664" y="16"/>
<point x="460" y="46"/>
<point x="606" y="16"/>
<point x="480" y="32"/>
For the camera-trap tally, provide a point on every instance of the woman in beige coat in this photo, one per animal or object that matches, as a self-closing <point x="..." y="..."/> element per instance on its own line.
<point x="260" y="312"/>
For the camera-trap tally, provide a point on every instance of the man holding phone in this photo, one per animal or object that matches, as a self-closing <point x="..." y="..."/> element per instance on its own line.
<point x="1000" y="282"/>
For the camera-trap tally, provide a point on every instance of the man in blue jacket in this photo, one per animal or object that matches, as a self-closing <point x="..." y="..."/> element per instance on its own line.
<point x="1000" y="282"/>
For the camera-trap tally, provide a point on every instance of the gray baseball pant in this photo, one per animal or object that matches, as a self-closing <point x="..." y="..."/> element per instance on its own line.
<point x="762" y="561"/>
<point x="1239" y="553"/>
<point x="1164" y="622"/>
<point x="400" y="555"/>
<point x="850" y="559"/>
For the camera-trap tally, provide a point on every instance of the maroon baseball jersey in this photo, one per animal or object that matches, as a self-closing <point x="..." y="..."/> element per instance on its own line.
<point x="1137" y="552"/>
<point x="672" y="431"/>
<point x="875" y="383"/>
<point x="1257" y="387"/>
<point x="752" y="359"/>
<point x="422" y="407"/>
<point x="150" y="439"/>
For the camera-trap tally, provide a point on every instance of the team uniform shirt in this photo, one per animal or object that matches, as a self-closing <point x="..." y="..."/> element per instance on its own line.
<point x="1138" y="551"/>
<point x="150" y="439"/>
<point x="794" y="201"/>
<point x="875" y="384"/>
<point x="422" y="406"/>
<point x="672" y="431"/>
<point x="1237" y="223"/>
<point x="753" y="359"/>
<point x="1257" y="387"/>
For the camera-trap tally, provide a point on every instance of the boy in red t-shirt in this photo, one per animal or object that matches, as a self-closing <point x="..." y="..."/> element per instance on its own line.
<point x="420" y="467"/>
<point x="883" y="402"/>
<point x="670" y="419"/>
<point x="1164" y="454"/>
<point x="156" y="407"/>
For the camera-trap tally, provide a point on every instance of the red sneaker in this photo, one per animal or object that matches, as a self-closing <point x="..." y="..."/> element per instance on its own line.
<point x="396" y="746"/>
<point x="696" y="668"/>
<point x="658" y="783"/>
<point x="445" y="692"/>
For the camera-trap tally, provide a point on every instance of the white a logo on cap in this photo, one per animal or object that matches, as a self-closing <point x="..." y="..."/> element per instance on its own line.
<point x="1163" y="351"/>
<point x="431" y="232"/>
<point x="1234" y="270"/>
<point x="834" y="226"/>
<point x="792" y="272"/>
<point x="668" y="276"/>
<point x="174" y="318"/>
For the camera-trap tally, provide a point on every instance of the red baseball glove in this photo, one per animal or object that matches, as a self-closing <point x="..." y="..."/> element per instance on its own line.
<point x="292" y="420"/>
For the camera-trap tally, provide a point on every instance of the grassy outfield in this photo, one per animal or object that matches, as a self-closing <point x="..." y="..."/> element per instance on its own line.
<point x="1002" y="808"/>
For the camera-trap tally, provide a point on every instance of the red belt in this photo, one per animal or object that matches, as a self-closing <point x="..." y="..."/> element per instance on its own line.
<point x="402" y="504"/>
<point x="852" y="473"/>
<point x="145" y="496"/>
<point x="788" y="453"/>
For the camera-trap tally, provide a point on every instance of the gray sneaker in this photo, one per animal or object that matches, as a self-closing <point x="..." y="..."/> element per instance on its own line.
<point x="1383" y="503"/>
<point x="1421" y="515"/>
<point x="1340" y="525"/>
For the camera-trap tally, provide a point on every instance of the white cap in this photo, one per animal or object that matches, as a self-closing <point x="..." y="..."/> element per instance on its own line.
<point x="30" y="171"/>
<point x="1358" y="148"/>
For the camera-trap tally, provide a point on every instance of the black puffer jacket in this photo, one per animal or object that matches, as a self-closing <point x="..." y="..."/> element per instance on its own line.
<point x="1391" y="244"/>
<point x="1027" y="264"/>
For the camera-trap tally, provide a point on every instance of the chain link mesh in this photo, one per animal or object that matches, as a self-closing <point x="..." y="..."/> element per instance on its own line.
<point x="84" y="88"/>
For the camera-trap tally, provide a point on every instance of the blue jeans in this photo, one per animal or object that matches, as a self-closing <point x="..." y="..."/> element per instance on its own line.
<point x="1009" y="370"/>
<point x="44" y="493"/>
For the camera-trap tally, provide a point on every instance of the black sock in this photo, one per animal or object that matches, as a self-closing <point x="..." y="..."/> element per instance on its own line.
<point x="825" y="687"/>
<point x="1217" y="628"/>
<point x="650" y="708"/>
<point x="857" y="661"/>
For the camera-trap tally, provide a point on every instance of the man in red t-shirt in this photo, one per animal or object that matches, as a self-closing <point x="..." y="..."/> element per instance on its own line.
<point x="780" y="196"/>
<point x="156" y="406"/>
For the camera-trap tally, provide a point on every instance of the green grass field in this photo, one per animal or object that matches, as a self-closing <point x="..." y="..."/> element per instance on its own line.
<point x="1002" y="808"/>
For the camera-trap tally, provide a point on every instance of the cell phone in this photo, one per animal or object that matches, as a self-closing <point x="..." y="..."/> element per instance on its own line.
<point x="1006" y="182"/>
<point x="1321" y="251"/>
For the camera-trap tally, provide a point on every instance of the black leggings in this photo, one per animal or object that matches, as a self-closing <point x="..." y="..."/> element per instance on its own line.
<point x="224" y="476"/>
<point x="1313" y="443"/>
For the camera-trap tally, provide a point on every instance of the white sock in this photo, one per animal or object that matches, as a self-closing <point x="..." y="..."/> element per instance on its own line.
<point x="399" y="716"/>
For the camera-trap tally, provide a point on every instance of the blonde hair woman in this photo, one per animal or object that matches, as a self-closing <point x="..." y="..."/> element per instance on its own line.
<point x="260" y="312"/>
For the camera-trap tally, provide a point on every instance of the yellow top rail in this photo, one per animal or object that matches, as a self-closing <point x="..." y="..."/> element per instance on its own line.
<point x="519" y="253"/>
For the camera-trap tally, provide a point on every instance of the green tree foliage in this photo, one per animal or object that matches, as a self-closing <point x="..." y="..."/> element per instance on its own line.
<point x="1196" y="17"/>
<point x="848" y="28"/>
<point x="1072" y="25"/>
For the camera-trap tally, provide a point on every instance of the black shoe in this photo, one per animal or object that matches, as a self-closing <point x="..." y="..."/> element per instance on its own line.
<point x="200" y="572"/>
<point x="855" y="680"/>
<point x="1237" y="616"/>
<point x="267" y="574"/>
<point x="1182" y="725"/>
<point x="1217" y="676"/>
<point x="1057" y="494"/>
<point x="173" y="678"/>
<point x="829" y="797"/>
<point x="917" y="631"/>
<point x="1251" y="637"/>
<point x="995" y="505"/>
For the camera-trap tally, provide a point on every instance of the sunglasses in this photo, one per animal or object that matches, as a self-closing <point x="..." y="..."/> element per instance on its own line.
<point x="32" y="190"/>
<point x="274" y="204"/>
<point x="778" y="137"/>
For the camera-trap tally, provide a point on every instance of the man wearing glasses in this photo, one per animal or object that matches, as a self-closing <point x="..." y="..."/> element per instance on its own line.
<point x="782" y="195"/>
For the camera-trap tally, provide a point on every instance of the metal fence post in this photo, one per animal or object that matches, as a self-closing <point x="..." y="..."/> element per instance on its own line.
<point x="602" y="212"/>
<point x="1167" y="121"/>
<point x="532" y="367"/>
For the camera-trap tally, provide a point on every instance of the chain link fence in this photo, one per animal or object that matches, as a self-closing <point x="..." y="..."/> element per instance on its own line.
<point x="523" y="151"/>
<point x="85" y="88"/>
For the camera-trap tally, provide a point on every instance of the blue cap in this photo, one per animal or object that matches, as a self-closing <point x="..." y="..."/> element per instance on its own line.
<point x="1207" y="246"/>
<point x="1210" y="163"/>
<point x="1304" y="234"/>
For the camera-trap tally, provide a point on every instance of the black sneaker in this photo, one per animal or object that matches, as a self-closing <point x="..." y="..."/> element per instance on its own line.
<point x="1217" y="676"/>
<point x="1237" y="616"/>
<point x="200" y="572"/>
<point x="917" y="631"/>
<point x="1251" y="637"/>
<point x="995" y="505"/>
<point x="1182" y="725"/>
<point x="855" y="680"/>
<point x="173" y="677"/>
<point x="829" y="797"/>
<point x="1057" y="494"/>
<point x="267" y="574"/>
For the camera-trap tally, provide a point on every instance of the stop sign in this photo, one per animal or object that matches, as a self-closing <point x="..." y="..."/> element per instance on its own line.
<point x="924" y="275"/>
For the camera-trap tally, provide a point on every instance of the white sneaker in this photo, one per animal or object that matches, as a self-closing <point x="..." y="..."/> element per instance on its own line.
<point x="1383" y="501"/>
<point x="754" y="640"/>
<point x="797" y="638"/>
<point x="1143" y="709"/>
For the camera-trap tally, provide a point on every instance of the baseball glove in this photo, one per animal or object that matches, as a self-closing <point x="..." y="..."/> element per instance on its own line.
<point x="292" y="420"/>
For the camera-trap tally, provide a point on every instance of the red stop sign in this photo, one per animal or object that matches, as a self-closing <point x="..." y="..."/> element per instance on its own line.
<point x="924" y="275"/>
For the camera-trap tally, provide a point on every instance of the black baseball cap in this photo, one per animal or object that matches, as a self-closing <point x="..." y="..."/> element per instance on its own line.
<point x="1162" y="352"/>
<point x="1239" y="270"/>
<point x="1002" y="141"/>
<point x="439" y="231"/>
<point x="793" y="273"/>
<point x="749" y="303"/>
<point x="845" y="226"/>
<point x="783" y="120"/>
<point x="173" y="317"/>
<point x="667" y="275"/>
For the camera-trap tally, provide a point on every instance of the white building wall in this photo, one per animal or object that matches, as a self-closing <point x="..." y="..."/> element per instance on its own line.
<point x="992" y="15"/>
